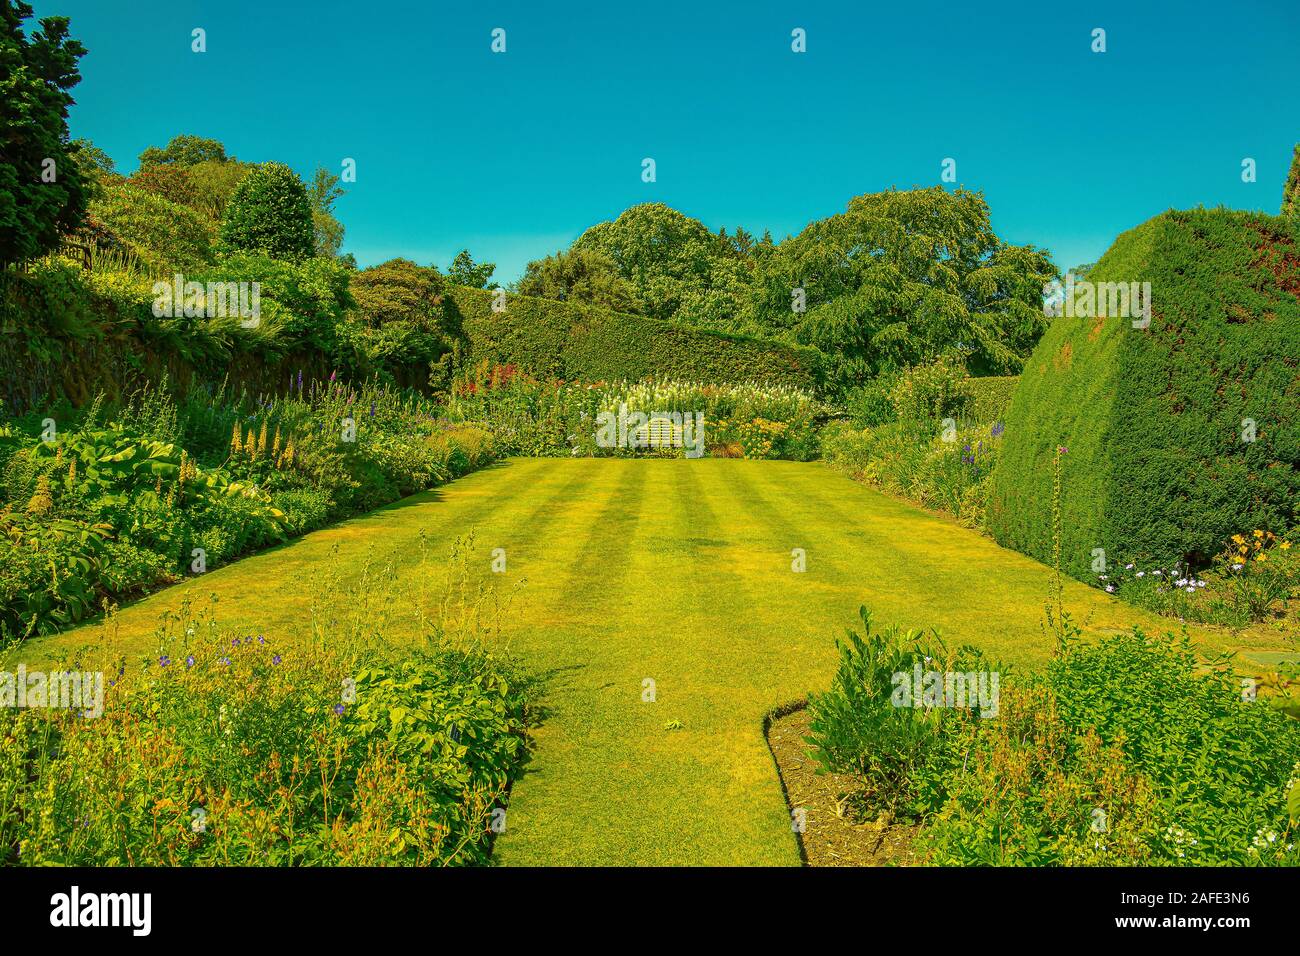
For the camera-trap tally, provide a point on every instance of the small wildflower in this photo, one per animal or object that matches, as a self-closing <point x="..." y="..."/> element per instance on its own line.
<point x="338" y="709"/>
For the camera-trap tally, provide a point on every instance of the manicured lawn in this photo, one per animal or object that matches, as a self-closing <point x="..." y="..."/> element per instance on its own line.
<point x="676" y="571"/>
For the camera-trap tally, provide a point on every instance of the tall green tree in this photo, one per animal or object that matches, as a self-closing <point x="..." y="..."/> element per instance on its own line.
<point x="43" y="188"/>
<point x="322" y="193"/>
<point x="899" y="279"/>
<point x="270" y="213"/>
<point x="580" y="275"/>
<point x="465" y="271"/>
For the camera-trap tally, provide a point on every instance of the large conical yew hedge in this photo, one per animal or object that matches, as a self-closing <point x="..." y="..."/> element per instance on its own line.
<point x="1155" y="421"/>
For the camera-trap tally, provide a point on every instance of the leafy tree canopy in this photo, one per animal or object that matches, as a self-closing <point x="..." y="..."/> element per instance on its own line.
<point x="901" y="278"/>
<point x="404" y="320"/>
<point x="43" y="189"/>
<point x="398" y="289"/>
<point x="322" y="193"/>
<point x="670" y="259"/>
<point x="465" y="271"/>
<point x="185" y="150"/>
<point x="580" y="275"/>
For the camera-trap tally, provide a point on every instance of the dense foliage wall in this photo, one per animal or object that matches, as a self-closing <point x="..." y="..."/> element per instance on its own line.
<point x="67" y="335"/>
<point x="1156" y="423"/>
<point x="576" y="342"/>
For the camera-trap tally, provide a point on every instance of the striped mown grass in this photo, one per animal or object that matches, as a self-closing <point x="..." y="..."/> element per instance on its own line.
<point x="675" y="571"/>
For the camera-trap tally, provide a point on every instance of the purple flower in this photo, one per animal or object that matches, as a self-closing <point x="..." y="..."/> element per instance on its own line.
<point x="234" y="642"/>
<point x="332" y="375"/>
<point x="164" y="660"/>
<point x="275" y="659"/>
<point x="998" y="428"/>
<point x="225" y="660"/>
<point x="338" y="709"/>
<point x="189" y="661"/>
<point x="261" y="639"/>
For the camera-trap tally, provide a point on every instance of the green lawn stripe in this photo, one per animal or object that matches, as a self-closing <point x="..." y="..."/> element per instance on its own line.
<point x="676" y="570"/>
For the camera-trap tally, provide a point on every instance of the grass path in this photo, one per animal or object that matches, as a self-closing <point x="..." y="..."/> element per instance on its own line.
<point x="679" y="572"/>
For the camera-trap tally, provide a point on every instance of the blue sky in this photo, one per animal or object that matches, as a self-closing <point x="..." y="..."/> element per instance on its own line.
<point x="515" y="154"/>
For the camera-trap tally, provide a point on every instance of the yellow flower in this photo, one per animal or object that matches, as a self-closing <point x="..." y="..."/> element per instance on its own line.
<point x="1258" y="533"/>
<point x="1238" y="539"/>
<point x="1285" y="545"/>
<point x="1261" y="557"/>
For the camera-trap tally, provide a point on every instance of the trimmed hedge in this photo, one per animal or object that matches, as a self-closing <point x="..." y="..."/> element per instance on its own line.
<point x="990" y="397"/>
<point x="1156" y="467"/>
<point x="575" y="342"/>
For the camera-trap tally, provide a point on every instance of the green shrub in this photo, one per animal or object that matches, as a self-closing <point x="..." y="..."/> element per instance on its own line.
<point x="113" y="508"/>
<point x="871" y="403"/>
<point x="269" y="213"/>
<point x="165" y="235"/>
<point x="990" y="397"/>
<point x="925" y="395"/>
<point x="400" y="318"/>
<point x="575" y="342"/>
<point x="527" y="417"/>
<point x="1153" y="420"/>
<point x="1181" y="768"/>
<point x="948" y="475"/>
<point x="1130" y="751"/>
<point x="303" y="303"/>
<point x="250" y="749"/>
<point x="861" y="726"/>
